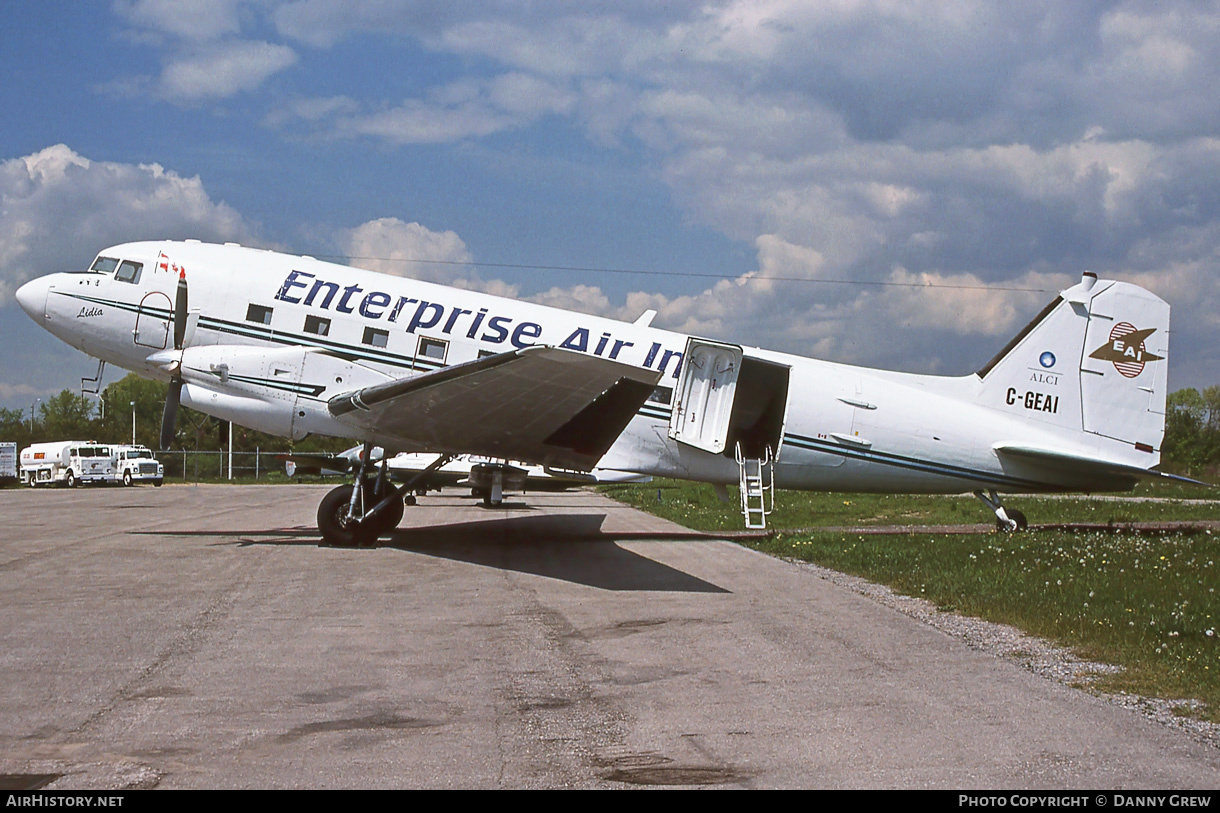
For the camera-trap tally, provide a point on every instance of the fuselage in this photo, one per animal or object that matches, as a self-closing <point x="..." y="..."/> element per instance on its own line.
<point x="829" y="426"/>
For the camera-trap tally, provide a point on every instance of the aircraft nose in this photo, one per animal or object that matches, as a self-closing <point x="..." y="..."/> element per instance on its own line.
<point x="32" y="297"/>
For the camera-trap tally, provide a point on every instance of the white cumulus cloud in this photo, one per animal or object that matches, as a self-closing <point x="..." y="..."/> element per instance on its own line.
<point x="58" y="209"/>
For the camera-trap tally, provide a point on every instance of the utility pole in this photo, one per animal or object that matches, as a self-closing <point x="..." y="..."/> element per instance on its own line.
<point x="133" y="423"/>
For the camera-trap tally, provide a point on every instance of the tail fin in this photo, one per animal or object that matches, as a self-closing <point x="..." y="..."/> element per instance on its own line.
<point x="1092" y="361"/>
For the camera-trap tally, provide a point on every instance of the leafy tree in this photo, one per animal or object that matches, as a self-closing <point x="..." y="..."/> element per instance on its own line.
<point x="148" y="397"/>
<point x="1190" y="441"/>
<point x="67" y="416"/>
<point x="15" y="427"/>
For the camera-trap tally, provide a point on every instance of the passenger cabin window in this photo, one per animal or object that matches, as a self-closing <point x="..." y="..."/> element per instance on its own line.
<point x="662" y="395"/>
<point x="104" y="265"/>
<point x="375" y="337"/>
<point x="432" y="349"/>
<point x="129" y="272"/>
<point x="317" y="325"/>
<point x="259" y="314"/>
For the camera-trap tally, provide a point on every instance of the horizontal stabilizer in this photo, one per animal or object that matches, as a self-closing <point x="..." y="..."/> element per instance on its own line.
<point x="1120" y="475"/>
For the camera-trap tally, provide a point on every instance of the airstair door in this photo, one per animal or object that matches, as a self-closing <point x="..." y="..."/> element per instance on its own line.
<point x="704" y="400"/>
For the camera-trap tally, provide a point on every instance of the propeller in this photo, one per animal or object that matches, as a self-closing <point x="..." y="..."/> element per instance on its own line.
<point x="169" y="417"/>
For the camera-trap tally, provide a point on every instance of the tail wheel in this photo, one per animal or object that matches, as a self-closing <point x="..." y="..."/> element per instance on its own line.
<point x="1017" y="517"/>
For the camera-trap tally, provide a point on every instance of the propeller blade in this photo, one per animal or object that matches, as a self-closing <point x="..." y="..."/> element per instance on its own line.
<point x="170" y="417"/>
<point x="180" y="312"/>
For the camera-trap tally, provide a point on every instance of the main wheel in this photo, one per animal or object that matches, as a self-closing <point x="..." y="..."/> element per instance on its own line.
<point x="127" y="477"/>
<point x="337" y="530"/>
<point x="388" y="520"/>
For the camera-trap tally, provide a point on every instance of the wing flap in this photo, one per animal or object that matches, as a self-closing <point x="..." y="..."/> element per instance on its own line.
<point x="539" y="404"/>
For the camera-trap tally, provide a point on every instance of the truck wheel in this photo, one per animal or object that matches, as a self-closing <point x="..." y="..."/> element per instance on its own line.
<point x="70" y="480"/>
<point x="127" y="478"/>
<point x="157" y="483"/>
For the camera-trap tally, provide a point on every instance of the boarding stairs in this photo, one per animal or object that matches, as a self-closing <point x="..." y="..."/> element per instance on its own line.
<point x="756" y="483"/>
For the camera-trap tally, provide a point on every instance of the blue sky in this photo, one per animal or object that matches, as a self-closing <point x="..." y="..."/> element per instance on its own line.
<point x="959" y="162"/>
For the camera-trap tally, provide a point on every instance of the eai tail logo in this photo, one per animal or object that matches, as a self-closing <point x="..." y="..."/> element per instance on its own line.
<point x="1126" y="349"/>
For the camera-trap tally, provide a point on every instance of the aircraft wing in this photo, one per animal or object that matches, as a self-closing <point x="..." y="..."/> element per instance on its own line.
<point x="1119" y="475"/>
<point x="540" y="404"/>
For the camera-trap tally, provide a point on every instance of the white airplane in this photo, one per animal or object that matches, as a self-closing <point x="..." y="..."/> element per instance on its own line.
<point x="291" y="346"/>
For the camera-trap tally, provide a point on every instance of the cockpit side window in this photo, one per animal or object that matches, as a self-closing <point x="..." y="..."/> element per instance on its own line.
<point x="104" y="265"/>
<point x="129" y="272"/>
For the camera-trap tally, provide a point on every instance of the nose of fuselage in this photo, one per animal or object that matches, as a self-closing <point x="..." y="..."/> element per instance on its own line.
<point x="32" y="297"/>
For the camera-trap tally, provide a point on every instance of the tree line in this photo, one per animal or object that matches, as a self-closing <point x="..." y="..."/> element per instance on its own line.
<point x="1192" y="431"/>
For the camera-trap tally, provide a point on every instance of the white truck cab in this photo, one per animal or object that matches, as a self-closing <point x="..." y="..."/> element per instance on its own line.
<point x="66" y="462"/>
<point x="136" y="464"/>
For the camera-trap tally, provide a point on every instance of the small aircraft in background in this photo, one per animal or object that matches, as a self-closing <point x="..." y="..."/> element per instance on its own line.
<point x="486" y="477"/>
<point x="291" y="345"/>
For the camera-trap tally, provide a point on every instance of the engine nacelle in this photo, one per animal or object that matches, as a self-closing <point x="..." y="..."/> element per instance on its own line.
<point x="282" y="391"/>
<point x="272" y="417"/>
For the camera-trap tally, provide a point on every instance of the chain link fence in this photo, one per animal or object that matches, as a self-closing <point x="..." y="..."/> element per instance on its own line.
<point x="211" y="466"/>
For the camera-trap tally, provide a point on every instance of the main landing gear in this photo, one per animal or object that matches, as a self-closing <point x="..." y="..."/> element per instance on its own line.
<point x="354" y="516"/>
<point x="1007" y="520"/>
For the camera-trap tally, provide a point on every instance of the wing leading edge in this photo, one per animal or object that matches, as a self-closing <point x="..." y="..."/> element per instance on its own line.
<point x="540" y="404"/>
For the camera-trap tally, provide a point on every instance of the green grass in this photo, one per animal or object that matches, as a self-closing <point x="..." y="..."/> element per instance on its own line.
<point x="696" y="506"/>
<point x="1145" y="602"/>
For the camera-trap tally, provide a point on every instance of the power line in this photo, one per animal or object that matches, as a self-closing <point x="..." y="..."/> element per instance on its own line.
<point x="693" y="274"/>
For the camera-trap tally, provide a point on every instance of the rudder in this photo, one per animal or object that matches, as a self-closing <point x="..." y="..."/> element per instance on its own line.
<point x="1094" y="360"/>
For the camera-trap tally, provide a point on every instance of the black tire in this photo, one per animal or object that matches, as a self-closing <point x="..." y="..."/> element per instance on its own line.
<point x="70" y="480"/>
<point x="388" y="519"/>
<point x="332" y="522"/>
<point x="127" y="477"/>
<point x="157" y="483"/>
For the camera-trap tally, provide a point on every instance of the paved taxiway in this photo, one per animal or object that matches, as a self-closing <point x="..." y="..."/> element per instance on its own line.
<point x="196" y="636"/>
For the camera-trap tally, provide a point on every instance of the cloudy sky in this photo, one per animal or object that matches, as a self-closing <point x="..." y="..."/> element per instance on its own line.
<point x="893" y="183"/>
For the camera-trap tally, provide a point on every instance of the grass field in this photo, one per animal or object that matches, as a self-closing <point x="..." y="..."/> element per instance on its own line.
<point x="1146" y="602"/>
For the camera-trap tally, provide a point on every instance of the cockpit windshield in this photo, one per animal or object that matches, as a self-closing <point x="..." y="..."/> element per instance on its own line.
<point x="104" y="265"/>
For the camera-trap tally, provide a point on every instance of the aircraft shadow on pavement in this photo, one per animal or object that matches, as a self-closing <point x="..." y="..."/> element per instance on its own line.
<point x="569" y="547"/>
